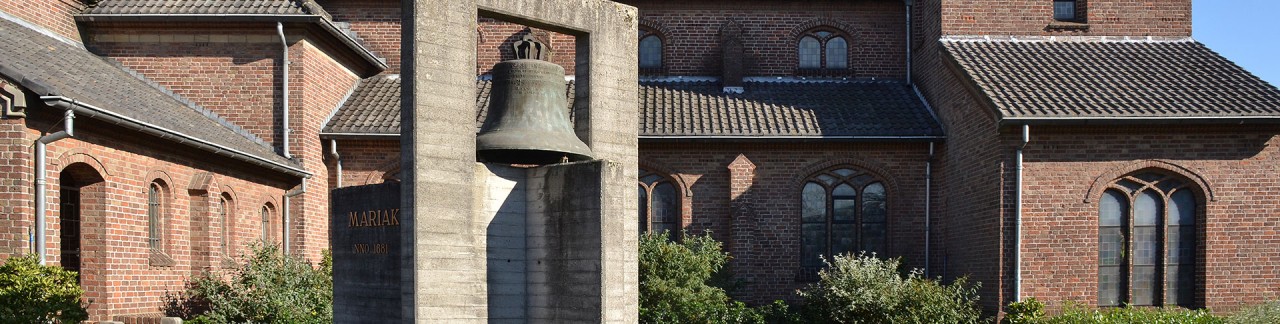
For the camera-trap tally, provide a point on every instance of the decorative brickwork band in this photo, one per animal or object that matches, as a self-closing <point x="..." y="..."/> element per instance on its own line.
<point x="1106" y="178"/>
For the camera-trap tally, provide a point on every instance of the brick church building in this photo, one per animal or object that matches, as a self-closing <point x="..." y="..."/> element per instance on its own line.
<point x="1067" y="150"/>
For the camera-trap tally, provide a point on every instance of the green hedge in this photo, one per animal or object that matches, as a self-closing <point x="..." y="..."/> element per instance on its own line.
<point x="675" y="282"/>
<point x="866" y="289"/>
<point x="32" y="293"/>
<point x="269" y="287"/>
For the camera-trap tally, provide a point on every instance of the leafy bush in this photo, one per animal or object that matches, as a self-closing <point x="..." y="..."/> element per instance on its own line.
<point x="32" y="293"/>
<point x="674" y="284"/>
<point x="864" y="289"/>
<point x="269" y="287"/>
<point x="1024" y="312"/>
<point x="1260" y="314"/>
<point x="1075" y="313"/>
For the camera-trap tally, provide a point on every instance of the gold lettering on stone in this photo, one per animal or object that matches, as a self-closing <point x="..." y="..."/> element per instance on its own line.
<point x="374" y="218"/>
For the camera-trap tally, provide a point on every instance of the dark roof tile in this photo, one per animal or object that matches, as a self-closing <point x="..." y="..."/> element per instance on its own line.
<point x="1112" y="79"/>
<point x="198" y="7"/>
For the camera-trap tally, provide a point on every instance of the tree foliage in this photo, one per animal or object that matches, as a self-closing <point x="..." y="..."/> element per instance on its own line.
<point x="866" y="289"/>
<point x="674" y="282"/>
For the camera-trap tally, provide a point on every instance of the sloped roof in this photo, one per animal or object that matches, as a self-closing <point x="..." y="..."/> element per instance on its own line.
<point x="198" y="7"/>
<point x="1112" y="80"/>
<point x="702" y="109"/>
<point x="50" y="67"/>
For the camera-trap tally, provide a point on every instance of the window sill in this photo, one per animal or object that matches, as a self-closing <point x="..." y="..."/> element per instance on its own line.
<point x="1058" y="25"/>
<point x="160" y="259"/>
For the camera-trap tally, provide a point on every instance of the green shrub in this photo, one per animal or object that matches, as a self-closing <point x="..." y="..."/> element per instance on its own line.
<point x="865" y="289"/>
<point x="1267" y="313"/>
<point x="32" y="293"/>
<point x="268" y="288"/>
<point x="1075" y="313"/>
<point x="674" y="284"/>
<point x="1024" y="312"/>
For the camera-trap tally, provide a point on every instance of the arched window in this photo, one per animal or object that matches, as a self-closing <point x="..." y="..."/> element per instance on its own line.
<point x="1147" y="241"/>
<point x="266" y="223"/>
<point x="659" y="204"/>
<point x="823" y="49"/>
<point x="843" y="210"/>
<point x="650" y="52"/>
<point x="224" y="213"/>
<point x="155" y="216"/>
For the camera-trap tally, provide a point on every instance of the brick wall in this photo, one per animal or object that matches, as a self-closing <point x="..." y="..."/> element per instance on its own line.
<point x="1033" y="17"/>
<point x="774" y="187"/>
<point x="54" y="15"/>
<point x="366" y="161"/>
<point x="969" y="178"/>
<point x="495" y="38"/>
<point x="116" y="167"/>
<point x="1238" y="260"/>
<point x="232" y="70"/>
<point x="377" y="22"/>
<point x="770" y="34"/>
<point x="319" y="85"/>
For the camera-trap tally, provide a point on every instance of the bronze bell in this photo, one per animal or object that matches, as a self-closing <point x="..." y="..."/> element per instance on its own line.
<point x="528" y="120"/>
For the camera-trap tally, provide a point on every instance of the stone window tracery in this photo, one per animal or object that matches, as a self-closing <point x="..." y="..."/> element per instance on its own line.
<point x="1147" y="237"/>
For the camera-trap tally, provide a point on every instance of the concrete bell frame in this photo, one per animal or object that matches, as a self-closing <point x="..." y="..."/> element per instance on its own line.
<point x="446" y="282"/>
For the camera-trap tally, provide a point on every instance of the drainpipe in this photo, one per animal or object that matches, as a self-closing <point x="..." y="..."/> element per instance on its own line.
<point x="333" y="151"/>
<point x="1017" y="219"/>
<point x="284" y="95"/>
<point x="302" y="188"/>
<point x="68" y="125"/>
<point x="928" y="231"/>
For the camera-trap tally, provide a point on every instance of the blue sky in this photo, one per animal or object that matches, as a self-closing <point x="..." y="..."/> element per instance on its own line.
<point x="1244" y="31"/>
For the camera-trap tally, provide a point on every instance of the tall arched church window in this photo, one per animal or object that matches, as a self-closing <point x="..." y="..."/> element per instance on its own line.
<point x="1147" y="241"/>
<point x="823" y="50"/>
<point x="843" y="210"/>
<point x="266" y="223"/>
<point x="155" y="217"/>
<point x="650" y="52"/>
<point x="659" y="204"/>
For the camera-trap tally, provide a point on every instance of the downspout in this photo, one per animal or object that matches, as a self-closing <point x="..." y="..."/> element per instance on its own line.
<point x="1017" y="218"/>
<point x="909" y="4"/>
<point x="302" y="188"/>
<point x="284" y="93"/>
<point x="68" y="130"/>
<point x="928" y="231"/>
<point x="337" y="159"/>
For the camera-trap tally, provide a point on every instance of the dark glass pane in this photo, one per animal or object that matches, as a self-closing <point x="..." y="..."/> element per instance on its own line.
<point x="1147" y="208"/>
<point x="1182" y="208"/>
<point x="651" y="52"/>
<point x="844" y="172"/>
<point x="1169" y="185"/>
<point x="1109" y="283"/>
<point x="1149" y="177"/>
<point x="1182" y="244"/>
<point x="1113" y="209"/>
<point x="873" y="201"/>
<point x="837" y="53"/>
<point x="1110" y="246"/>
<point x="1145" y="286"/>
<point x="845" y="210"/>
<point x="815" y="203"/>
<point x="1146" y="245"/>
<point x="666" y="207"/>
<point x="670" y="228"/>
<point x="1132" y="186"/>
<point x="1179" y="286"/>
<point x="813" y="244"/>
<point x="844" y="238"/>
<point x="862" y="180"/>
<point x="829" y="180"/>
<point x="650" y="179"/>
<point x="644" y="209"/>
<point x="810" y="53"/>
<point x="844" y="190"/>
<point x="1064" y="9"/>
<point x="873" y="238"/>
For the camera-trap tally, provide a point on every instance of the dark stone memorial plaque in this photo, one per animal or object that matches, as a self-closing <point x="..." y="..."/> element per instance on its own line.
<point x="365" y="226"/>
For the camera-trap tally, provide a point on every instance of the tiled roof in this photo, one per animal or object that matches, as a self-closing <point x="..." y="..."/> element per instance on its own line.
<point x="51" y="67"/>
<point x="681" y="108"/>
<point x="198" y="7"/>
<point x="1061" y="80"/>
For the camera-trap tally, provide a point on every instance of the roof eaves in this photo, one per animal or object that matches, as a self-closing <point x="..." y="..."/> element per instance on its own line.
<point x="1126" y="120"/>
<point x="359" y="136"/>
<point x="378" y="64"/>
<point x="801" y="139"/>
